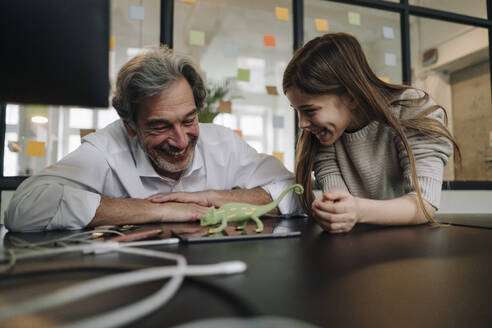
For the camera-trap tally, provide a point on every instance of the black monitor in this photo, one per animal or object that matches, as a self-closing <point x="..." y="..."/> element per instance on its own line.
<point x="55" y="52"/>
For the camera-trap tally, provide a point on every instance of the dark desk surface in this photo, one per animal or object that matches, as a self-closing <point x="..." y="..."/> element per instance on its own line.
<point x="417" y="276"/>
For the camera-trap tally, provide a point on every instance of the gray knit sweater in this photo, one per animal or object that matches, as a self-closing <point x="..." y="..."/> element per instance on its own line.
<point x="372" y="162"/>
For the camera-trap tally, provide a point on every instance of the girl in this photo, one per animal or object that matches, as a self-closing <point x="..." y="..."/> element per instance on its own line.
<point x="376" y="149"/>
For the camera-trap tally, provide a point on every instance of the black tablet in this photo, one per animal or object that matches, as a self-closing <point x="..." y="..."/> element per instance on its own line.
<point x="274" y="227"/>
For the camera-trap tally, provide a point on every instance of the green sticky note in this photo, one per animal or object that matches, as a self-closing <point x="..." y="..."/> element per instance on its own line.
<point x="243" y="74"/>
<point x="197" y="38"/>
<point x="354" y="18"/>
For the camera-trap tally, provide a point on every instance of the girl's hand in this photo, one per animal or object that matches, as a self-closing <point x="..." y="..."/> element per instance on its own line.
<point x="336" y="211"/>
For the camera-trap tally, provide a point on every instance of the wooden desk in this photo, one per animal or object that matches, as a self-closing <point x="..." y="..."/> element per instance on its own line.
<point x="416" y="276"/>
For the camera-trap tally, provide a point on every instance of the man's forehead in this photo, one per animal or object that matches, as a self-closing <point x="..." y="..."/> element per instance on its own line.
<point x="169" y="116"/>
<point x="174" y="103"/>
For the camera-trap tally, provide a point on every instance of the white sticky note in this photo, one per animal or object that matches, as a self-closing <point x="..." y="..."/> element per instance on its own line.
<point x="231" y="50"/>
<point x="278" y="122"/>
<point x="137" y="12"/>
<point x="197" y="38"/>
<point x="353" y="18"/>
<point x="388" y="32"/>
<point x="389" y="59"/>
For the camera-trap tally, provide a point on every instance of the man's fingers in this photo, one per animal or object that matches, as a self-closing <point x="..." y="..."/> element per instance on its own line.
<point x="162" y="198"/>
<point x="158" y="198"/>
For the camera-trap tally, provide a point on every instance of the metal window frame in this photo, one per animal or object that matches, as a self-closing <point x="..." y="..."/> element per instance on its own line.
<point x="403" y="8"/>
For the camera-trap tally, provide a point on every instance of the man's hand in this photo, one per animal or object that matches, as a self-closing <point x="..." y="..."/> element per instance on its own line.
<point x="336" y="211"/>
<point x="216" y="198"/>
<point x="200" y="198"/>
<point x="181" y="212"/>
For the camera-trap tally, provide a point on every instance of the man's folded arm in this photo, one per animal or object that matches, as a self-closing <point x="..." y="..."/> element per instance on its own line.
<point x="134" y="211"/>
<point x="43" y="205"/>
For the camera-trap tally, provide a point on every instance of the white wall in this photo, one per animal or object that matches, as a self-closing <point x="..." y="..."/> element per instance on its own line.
<point x="462" y="201"/>
<point x="466" y="201"/>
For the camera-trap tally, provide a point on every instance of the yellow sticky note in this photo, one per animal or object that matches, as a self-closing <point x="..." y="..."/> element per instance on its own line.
<point x="243" y="74"/>
<point x="35" y="148"/>
<point x="279" y="155"/>
<point x="354" y="18"/>
<point x="84" y="132"/>
<point x="188" y="1"/>
<point x="197" y="38"/>
<point x="111" y="42"/>
<point x="384" y="79"/>
<point x="321" y="24"/>
<point x="282" y="13"/>
<point x="225" y="106"/>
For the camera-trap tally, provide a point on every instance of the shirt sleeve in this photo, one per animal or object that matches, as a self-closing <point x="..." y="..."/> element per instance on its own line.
<point x="326" y="169"/>
<point x="65" y="195"/>
<point x="249" y="169"/>
<point x="431" y="154"/>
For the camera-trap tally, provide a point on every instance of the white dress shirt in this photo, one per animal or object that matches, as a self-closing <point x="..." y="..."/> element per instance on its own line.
<point x="67" y="194"/>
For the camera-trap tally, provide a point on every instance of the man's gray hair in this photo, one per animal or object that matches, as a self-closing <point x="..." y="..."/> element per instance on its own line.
<point x="150" y="73"/>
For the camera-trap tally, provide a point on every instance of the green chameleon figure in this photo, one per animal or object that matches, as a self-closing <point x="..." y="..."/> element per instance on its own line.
<point x="240" y="212"/>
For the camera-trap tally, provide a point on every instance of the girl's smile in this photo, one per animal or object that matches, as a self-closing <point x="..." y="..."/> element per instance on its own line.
<point x="326" y="116"/>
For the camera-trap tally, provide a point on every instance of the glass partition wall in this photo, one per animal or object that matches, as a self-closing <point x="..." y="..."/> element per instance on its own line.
<point x="441" y="46"/>
<point x="243" y="46"/>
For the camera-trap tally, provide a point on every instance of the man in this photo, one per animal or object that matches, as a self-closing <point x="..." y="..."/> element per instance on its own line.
<point x="155" y="164"/>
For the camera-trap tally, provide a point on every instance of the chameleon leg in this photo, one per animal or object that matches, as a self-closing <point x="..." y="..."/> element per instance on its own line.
<point x="242" y="225"/>
<point x="259" y="224"/>
<point x="223" y="224"/>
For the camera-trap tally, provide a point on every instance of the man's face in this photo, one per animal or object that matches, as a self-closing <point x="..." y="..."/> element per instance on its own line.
<point x="167" y="129"/>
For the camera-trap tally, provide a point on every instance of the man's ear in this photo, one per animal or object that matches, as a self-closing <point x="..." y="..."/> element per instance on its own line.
<point x="129" y="129"/>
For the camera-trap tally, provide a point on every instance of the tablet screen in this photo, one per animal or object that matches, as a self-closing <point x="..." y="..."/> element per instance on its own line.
<point x="274" y="227"/>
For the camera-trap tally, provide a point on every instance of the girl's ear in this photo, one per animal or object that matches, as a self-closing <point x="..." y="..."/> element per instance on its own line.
<point x="350" y="102"/>
<point x="129" y="129"/>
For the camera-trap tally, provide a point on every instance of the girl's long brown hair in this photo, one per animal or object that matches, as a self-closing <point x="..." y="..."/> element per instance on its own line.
<point x="335" y="64"/>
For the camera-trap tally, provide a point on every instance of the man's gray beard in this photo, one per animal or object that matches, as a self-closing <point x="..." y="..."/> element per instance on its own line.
<point x="169" y="167"/>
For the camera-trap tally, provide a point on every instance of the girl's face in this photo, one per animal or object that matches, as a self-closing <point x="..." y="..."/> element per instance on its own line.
<point x="325" y="116"/>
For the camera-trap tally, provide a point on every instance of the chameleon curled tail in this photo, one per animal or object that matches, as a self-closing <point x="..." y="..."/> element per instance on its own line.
<point x="241" y="212"/>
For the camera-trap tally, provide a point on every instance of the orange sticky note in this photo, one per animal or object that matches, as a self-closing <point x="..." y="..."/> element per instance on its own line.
<point x="321" y="24"/>
<point x="384" y="79"/>
<point x="269" y="40"/>
<point x="282" y="13"/>
<point x="239" y="133"/>
<point x="35" y="148"/>
<point x="279" y="155"/>
<point x="84" y="132"/>
<point x="225" y="106"/>
<point x="272" y="90"/>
